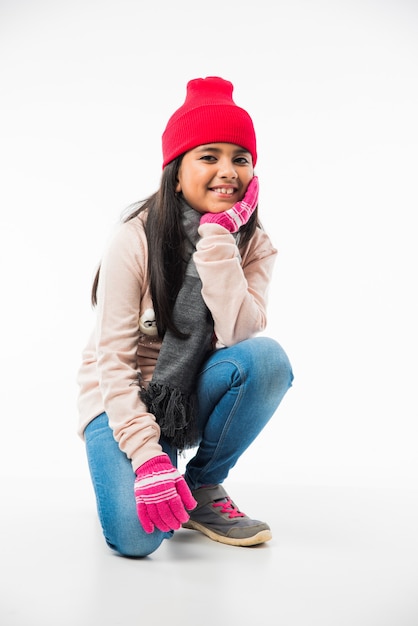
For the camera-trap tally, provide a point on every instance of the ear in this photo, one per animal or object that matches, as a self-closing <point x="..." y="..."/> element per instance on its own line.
<point x="178" y="187"/>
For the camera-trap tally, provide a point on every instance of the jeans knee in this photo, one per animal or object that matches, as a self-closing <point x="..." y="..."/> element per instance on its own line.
<point x="283" y="365"/>
<point x="272" y="362"/>
<point x="137" y="544"/>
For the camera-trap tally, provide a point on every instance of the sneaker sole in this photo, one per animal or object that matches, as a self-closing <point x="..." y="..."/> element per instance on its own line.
<point x="261" y="537"/>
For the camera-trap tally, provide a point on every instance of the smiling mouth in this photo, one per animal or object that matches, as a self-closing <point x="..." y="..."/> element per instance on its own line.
<point x="225" y="190"/>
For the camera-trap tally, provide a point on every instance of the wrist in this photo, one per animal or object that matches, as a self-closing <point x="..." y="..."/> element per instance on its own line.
<point x="153" y="463"/>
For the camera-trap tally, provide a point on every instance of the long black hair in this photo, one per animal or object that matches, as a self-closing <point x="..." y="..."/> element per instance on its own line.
<point x="165" y="238"/>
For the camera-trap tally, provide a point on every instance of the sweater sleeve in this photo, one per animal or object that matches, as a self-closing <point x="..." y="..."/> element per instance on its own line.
<point x="119" y="294"/>
<point x="234" y="288"/>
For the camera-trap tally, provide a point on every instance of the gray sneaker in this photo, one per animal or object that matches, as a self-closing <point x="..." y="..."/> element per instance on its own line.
<point x="220" y="519"/>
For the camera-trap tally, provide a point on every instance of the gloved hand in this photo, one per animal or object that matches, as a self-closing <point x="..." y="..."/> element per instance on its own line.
<point x="162" y="495"/>
<point x="239" y="214"/>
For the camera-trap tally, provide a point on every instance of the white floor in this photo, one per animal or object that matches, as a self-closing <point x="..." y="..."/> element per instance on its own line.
<point x="339" y="557"/>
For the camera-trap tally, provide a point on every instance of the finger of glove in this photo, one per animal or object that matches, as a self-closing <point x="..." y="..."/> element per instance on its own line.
<point x="172" y="513"/>
<point x="241" y="212"/>
<point x="158" y="517"/>
<point x="178" y="510"/>
<point x="243" y="209"/>
<point x="251" y="195"/>
<point x="185" y="494"/>
<point x="144" y="518"/>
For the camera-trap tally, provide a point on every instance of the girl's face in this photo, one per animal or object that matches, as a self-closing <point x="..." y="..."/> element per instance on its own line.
<point x="214" y="176"/>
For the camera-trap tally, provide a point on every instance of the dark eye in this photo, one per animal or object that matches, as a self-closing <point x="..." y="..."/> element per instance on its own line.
<point x="241" y="160"/>
<point x="208" y="157"/>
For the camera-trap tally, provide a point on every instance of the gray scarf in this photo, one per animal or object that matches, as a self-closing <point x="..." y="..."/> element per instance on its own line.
<point x="170" y="395"/>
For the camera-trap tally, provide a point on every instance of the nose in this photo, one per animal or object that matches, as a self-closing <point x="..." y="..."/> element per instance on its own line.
<point x="226" y="168"/>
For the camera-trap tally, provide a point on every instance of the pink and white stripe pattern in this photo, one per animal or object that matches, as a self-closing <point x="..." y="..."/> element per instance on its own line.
<point x="239" y="214"/>
<point x="162" y="495"/>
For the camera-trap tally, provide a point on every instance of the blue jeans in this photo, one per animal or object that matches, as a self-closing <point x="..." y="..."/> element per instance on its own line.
<point x="238" y="390"/>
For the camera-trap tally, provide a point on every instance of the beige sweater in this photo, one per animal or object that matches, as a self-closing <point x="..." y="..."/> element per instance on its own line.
<point x="124" y="341"/>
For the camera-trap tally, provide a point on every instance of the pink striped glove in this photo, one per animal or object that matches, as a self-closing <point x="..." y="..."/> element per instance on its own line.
<point x="239" y="214"/>
<point x="162" y="495"/>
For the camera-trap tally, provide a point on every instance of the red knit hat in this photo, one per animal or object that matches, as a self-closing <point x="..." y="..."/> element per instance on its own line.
<point x="208" y="115"/>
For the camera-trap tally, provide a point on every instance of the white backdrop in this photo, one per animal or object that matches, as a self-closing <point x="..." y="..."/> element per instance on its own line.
<point x="86" y="90"/>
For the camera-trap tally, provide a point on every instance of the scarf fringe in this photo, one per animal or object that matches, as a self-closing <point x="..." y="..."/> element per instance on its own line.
<point x="174" y="411"/>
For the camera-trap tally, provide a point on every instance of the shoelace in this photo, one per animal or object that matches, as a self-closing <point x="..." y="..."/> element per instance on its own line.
<point x="228" y="508"/>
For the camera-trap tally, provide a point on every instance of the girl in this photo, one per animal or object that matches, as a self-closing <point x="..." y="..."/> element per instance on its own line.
<point x="174" y="361"/>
